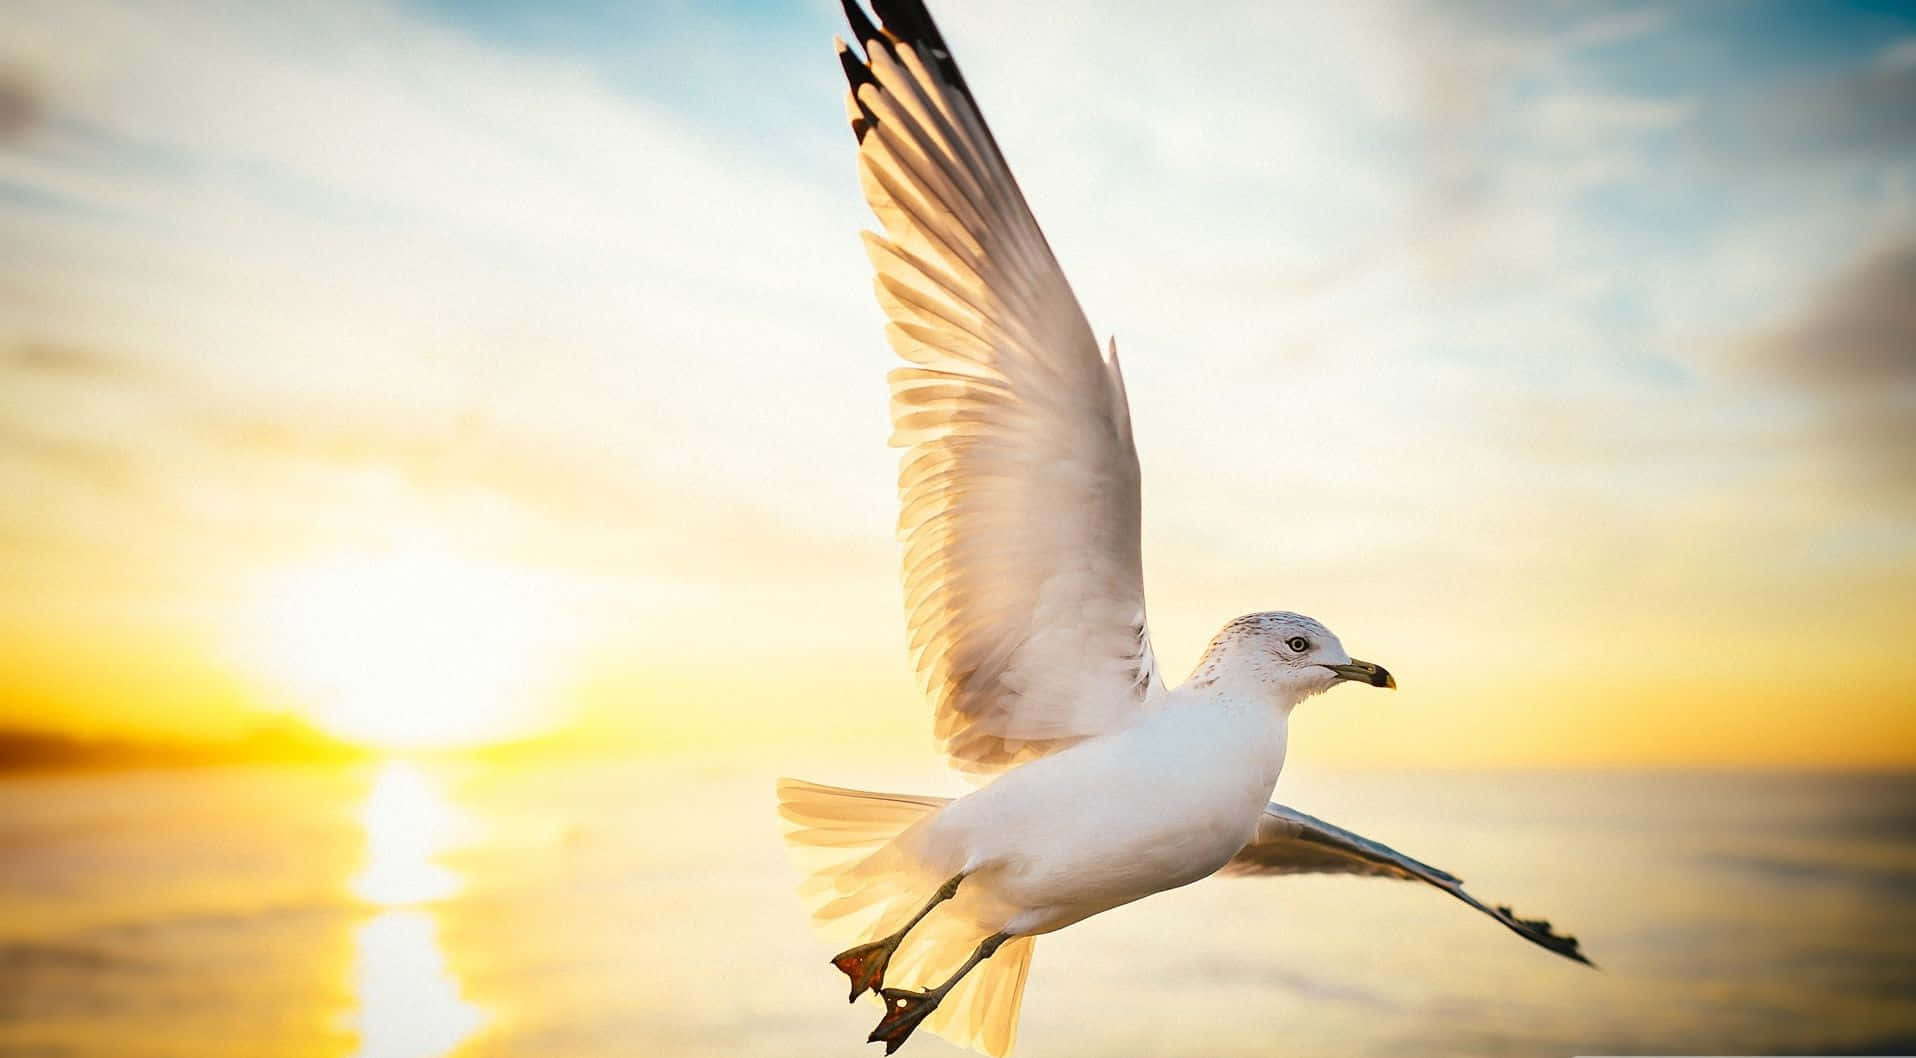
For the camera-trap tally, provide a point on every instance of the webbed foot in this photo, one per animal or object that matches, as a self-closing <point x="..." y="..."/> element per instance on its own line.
<point x="904" y="1009"/>
<point x="865" y="964"/>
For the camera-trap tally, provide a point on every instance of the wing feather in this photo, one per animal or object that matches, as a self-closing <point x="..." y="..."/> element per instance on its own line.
<point x="1290" y="842"/>
<point x="1018" y="487"/>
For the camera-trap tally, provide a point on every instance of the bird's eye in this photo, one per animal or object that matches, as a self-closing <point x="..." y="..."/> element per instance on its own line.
<point x="1298" y="643"/>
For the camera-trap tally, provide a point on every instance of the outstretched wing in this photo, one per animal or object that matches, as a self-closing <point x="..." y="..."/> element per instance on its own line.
<point x="1290" y="842"/>
<point x="1019" y="486"/>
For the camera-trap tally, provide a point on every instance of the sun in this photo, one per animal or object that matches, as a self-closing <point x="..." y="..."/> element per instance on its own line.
<point x="408" y="648"/>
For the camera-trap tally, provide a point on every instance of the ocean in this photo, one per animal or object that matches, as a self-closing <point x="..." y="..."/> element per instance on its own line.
<point x="645" y="908"/>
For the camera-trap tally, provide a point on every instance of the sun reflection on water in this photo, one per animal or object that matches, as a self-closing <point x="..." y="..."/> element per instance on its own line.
<point x="409" y="1004"/>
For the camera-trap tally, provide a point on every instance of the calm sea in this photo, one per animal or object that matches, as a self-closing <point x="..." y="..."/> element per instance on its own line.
<point x="645" y="909"/>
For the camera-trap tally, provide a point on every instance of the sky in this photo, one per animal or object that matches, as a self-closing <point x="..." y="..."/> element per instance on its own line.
<point x="448" y="371"/>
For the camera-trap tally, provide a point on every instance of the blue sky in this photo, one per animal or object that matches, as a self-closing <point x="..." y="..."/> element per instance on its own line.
<point x="1552" y="319"/>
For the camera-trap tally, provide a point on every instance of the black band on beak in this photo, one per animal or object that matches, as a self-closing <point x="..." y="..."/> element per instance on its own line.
<point x="1364" y="672"/>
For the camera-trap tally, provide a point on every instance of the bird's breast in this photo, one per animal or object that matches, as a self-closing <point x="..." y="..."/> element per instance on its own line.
<point x="1152" y="808"/>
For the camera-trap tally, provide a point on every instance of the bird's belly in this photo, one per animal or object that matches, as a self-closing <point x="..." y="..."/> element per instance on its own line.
<point x="1112" y="821"/>
<point x="1088" y="871"/>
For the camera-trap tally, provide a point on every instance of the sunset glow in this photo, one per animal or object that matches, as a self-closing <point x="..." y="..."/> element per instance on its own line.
<point x="409" y="647"/>
<point x="373" y="363"/>
<point x="409" y="1002"/>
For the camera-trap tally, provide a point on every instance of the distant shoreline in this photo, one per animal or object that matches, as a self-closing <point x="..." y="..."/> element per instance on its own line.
<point x="27" y="751"/>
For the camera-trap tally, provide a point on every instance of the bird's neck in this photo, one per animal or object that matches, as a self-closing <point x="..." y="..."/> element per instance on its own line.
<point x="1229" y="675"/>
<point x="1245" y="719"/>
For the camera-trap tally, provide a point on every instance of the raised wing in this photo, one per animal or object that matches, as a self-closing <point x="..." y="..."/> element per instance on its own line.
<point x="1290" y="842"/>
<point x="1019" y="486"/>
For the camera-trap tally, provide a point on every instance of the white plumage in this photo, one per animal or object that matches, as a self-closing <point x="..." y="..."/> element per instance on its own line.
<point x="1019" y="489"/>
<point x="1019" y="516"/>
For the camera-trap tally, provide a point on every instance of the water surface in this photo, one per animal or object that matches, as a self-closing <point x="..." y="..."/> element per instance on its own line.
<point x="645" y="908"/>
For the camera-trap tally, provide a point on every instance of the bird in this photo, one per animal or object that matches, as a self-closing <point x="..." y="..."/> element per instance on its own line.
<point x="1019" y="519"/>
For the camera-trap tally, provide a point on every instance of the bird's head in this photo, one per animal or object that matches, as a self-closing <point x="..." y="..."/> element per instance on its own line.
<point x="1289" y="656"/>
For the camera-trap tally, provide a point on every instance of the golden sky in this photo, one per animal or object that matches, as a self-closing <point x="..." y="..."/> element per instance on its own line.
<point x="447" y="374"/>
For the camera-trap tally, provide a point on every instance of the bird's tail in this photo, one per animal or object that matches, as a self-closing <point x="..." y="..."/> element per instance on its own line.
<point x="863" y="880"/>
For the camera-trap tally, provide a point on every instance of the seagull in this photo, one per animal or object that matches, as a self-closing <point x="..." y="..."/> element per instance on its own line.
<point x="1025" y="601"/>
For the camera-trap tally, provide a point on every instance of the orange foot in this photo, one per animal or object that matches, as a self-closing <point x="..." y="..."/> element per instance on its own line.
<point x="865" y="965"/>
<point x="904" y="1009"/>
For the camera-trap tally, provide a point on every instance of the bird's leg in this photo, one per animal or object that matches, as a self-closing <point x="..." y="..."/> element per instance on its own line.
<point x="865" y="964"/>
<point x="905" y="1008"/>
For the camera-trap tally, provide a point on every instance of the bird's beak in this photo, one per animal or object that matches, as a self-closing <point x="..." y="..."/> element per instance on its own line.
<point x="1365" y="672"/>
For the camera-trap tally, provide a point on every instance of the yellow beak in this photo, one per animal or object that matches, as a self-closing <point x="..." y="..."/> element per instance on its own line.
<point x="1365" y="672"/>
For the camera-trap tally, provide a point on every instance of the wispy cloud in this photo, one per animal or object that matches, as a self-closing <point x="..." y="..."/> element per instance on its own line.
<point x="61" y="360"/>
<point x="1436" y="292"/>
<point x="1850" y="355"/>
<point x="350" y="206"/>
<point x="19" y="105"/>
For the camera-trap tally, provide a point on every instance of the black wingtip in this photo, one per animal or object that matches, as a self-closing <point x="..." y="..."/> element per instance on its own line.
<point x="862" y="29"/>
<point x="910" y="21"/>
<point x="856" y="72"/>
<point x="1538" y="931"/>
<point x="857" y="66"/>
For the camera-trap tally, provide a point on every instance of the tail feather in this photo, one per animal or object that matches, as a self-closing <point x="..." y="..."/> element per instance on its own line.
<point x="861" y="883"/>
<point x="982" y="1012"/>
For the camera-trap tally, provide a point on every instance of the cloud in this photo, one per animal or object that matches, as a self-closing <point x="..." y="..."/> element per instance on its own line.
<point x="1898" y="56"/>
<point x="357" y="202"/>
<point x="1861" y="112"/>
<point x="1567" y="117"/>
<point x="1858" y="337"/>
<point x="68" y="429"/>
<point x="99" y="444"/>
<point x="100" y="465"/>
<point x="63" y="360"/>
<point x="1851" y="355"/>
<point x="20" y="108"/>
<point x="592" y="509"/>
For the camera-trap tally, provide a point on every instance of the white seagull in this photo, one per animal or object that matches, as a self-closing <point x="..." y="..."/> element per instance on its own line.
<point x="1019" y="493"/>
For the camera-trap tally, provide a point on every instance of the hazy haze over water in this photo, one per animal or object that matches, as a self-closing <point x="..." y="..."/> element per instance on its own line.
<point x="622" y="908"/>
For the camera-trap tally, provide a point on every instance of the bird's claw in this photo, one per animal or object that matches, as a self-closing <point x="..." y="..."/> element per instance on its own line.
<point x="904" y="1009"/>
<point x="865" y="965"/>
